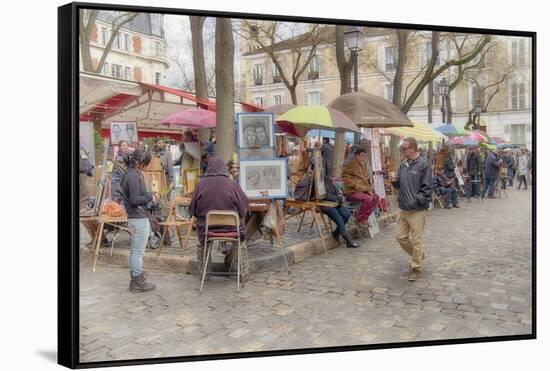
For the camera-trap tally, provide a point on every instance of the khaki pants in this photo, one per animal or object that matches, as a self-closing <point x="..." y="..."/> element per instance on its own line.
<point x="410" y="226"/>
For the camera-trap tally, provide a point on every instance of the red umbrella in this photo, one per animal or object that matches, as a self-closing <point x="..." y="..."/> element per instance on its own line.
<point x="193" y="118"/>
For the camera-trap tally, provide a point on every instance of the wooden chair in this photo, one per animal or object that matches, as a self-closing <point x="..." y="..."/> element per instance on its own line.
<point x="177" y="222"/>
<point x="225" y="218"/>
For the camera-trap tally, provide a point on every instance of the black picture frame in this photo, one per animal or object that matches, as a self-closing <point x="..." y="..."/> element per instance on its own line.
<point x="68" y="226"/>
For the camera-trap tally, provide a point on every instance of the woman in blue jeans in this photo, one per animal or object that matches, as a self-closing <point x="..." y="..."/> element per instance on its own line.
<point x="136" y="197"/>
<point x="339" y="214"/>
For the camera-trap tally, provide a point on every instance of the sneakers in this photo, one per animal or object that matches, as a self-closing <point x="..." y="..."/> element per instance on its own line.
<point x="456" y="206"/>
<point x="414" y="275"/>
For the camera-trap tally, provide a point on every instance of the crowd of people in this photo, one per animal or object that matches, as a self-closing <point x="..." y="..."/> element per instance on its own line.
<point x="219" y="189"/>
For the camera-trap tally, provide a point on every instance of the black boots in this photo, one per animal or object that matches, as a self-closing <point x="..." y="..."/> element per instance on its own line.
<point x="336" y="235"/>
<point x="140" y="284"/>
<point x="349" y="241"/>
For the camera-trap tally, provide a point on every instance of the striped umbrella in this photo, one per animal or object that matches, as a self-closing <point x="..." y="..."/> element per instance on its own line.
<point x="480" y="136"/>
<point x="451" y="130"/>
<point x="299" y="120"/>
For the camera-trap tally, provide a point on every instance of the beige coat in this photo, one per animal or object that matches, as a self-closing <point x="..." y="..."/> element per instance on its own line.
<point x="355" y="178"/>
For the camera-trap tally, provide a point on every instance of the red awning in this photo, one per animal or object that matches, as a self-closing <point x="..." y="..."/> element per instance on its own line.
<point x="211" y="106"/>
<point x="247" y="107"/>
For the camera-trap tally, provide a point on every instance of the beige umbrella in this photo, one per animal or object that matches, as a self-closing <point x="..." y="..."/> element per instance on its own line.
<point x="370" y="111"/>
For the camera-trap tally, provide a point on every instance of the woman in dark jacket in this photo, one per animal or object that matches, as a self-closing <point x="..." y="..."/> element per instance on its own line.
<point x="339" y="214"/>
<point x="136" y="197"/>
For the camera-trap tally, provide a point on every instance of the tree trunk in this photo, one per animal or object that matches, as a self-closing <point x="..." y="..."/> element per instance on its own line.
<point x="225" y="94"/>
<point x="449" y="108"/>
<point x="344" y="68"/>
<point x="292" y="91"/>
<point x="430" y="101"/>
<point x="199" y="70"/>
<point x="402" y="41"/>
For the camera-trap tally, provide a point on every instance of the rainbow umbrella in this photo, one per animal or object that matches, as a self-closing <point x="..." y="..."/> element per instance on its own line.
<point x="498" y="140"/>
<point x="463" y="141"/>
<point x="451" y="130"/>
<point x="298" y="121"/>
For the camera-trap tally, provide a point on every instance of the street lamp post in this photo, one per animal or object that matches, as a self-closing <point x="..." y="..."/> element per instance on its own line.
<point x="478" y="108"/>
<point x="354" y="37"/>
<point x="443" y="91"/>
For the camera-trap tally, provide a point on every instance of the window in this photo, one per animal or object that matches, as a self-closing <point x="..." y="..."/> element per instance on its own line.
<point x="127" y="73"/>
<point x="126" y="41"/>
<point x="116" y="41"/>
<point x="259" y="101"/>
<point x="105" y="69"/>
<point x="104" y="35"/>
<point x="277" y="99"/>
<point x="258" y="73"/>
<point x="519" y="52"/>
<point x="314" y="98"/>
<point x="116" y="71"/>
<point x="518" y="134"/>
<point x="476" y="95"/>
<point x="518" y="95"/>
<point x="426" y="58"/>
<point x="388" y="92"/>
<point x="158" y="49"/>
<point x="276" y="74"/>
<point x="156" y="24"/>
<point x="314" y="68"/>
<point x="157" y="78"/>
<point x="390" y="64"/>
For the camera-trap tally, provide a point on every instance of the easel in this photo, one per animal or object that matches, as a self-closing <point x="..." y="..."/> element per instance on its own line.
<point x="173" y="220"/>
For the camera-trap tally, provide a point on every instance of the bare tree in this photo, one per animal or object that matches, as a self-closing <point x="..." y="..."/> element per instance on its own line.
<point x="86" y="24"/>
<point x="345" y="66"/>
<point x="271" y="35"/>
<point x="225" y="95"/>
<point x="199" y="70"/>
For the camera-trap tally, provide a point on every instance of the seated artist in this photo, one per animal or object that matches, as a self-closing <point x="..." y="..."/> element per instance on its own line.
<point x="357" y="186"/>
<point x="216" y="191"/>
<point x="444" y="187"/>
<point x="338" y="214"/>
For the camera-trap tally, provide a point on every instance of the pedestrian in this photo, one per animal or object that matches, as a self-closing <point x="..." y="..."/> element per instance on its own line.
<point x="159" y="150"/>
<point x="357" y="186"/>
<point x="136" y="197"/>
<point x="492" y="164"/>
<point x="414" y="182"/>
<point x="119" y="168"/>
<point x="523" y="168"/>
<point x="474" y="164"/>
<point x="327" y="152"/>
<point x="509" y="164"/>
<point x="85" y="172"/>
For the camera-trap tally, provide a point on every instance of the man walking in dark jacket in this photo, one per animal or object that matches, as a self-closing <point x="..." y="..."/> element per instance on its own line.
<point x="414" y="181"/>
<point x="474" y="164"/>
<point x="492" y="163"/>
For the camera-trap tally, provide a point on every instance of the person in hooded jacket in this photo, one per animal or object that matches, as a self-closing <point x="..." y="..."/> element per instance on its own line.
<point x="217" y="191"/>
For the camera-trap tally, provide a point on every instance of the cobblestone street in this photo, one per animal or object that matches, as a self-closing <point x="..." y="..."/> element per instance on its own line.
<point x="476" y="282"/>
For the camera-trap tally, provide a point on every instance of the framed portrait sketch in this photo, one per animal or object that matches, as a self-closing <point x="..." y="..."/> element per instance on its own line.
<point x="122" y="301"/>
<point x="256" y="153"/>
<point x="255" y="130"/>
<point x="264" y="178"/>
<point x="124" y="131"/>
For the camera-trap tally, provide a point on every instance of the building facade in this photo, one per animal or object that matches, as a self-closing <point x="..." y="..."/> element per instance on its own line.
<point x="138" y="52"/>
<point x="508" y="114"/>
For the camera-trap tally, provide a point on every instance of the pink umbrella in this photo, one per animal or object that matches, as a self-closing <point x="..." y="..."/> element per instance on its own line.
<point x="498" y="140"/>
<point x="463" y="141"/>
<point x="480" y="136"/>
<point x="193" y="118"/>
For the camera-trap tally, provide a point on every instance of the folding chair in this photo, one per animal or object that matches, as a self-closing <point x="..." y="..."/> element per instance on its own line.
<point x="353" y="207"/>
<point x="218" y="218"/>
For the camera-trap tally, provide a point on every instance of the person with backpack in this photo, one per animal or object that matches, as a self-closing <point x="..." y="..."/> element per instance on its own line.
<point x="136" y="198"/>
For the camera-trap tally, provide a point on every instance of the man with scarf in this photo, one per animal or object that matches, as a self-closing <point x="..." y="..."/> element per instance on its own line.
<point x="216" y="191"/>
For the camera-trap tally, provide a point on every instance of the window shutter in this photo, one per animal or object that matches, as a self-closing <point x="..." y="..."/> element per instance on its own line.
<point x="382" y="58"/>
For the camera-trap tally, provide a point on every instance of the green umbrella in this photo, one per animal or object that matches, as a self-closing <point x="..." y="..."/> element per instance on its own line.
<point x="316" y="117"/>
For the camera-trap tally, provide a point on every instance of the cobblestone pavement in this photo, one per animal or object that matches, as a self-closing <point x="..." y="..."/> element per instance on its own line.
<point x="476" y="282"/>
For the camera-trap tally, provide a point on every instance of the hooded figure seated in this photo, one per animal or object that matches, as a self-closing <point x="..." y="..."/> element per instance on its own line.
<point x="216" y="191"/>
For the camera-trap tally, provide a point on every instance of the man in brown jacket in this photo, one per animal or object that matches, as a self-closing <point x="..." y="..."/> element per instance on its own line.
<point x="357" y="186"/>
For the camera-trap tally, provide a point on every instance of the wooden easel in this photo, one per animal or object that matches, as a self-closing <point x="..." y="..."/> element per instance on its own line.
<point x="173" y="220"/>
